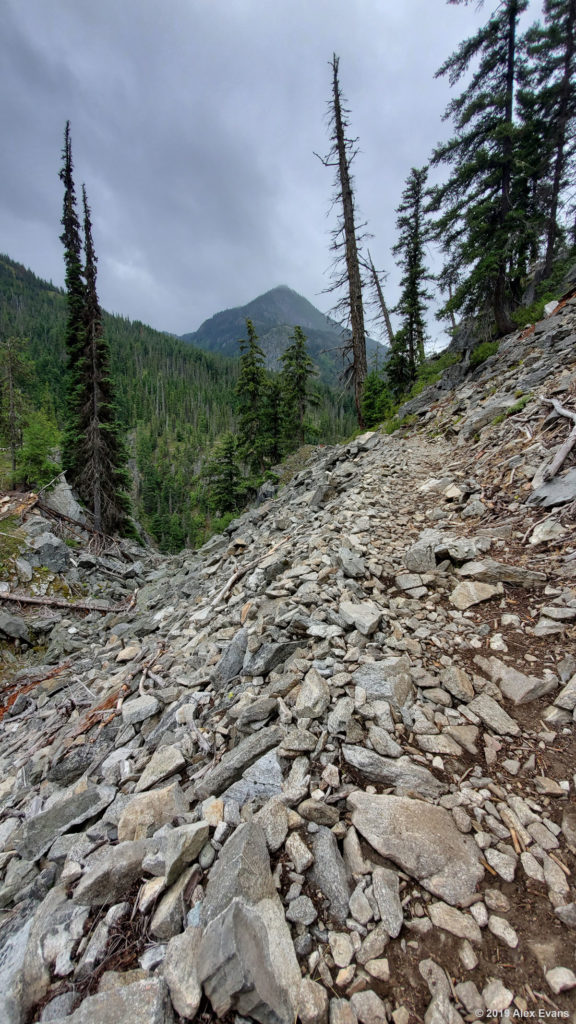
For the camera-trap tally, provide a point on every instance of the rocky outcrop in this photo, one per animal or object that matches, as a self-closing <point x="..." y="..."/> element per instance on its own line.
<point x="320" y="769"/>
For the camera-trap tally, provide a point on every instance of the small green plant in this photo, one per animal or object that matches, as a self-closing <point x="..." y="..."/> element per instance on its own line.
<point x="517" y="407"/>
<point x="482" y="352"/>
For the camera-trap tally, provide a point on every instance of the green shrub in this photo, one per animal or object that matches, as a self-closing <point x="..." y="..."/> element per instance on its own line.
<point x="482" y="352"/>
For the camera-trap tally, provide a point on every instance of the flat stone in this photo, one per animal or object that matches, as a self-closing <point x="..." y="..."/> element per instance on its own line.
<point x="182" y="846"/>
<point x="299" y="853"/>
<point x="496" y="996"/>
<point x="360" y="908"/>
<point x="328" y="874"/>
<point x="301" y="911"/>
<point x="489" y="571"/>
<point x="494" y="716"/>
<point x="383" y="742"/>
<point x="353" y="565"/>
<point x="423" y="840"/>
<point x="246" y="959"/>
<point x="111" y="873"/>
<point x="561" y="979"/>
<point x="318" y="811"/>
<point x="457" y="682"/>
<point x="379" y="969"/>
<point x="231" y="661"/>
<point x="401" y="772"/>
<point x="37" y="834"/>
<point x="312" y="1003"/>
<point x="169" y="915"/>
<point x="341" y="948"/>
<point x="567" y="697"/>
<point x="164" y="762"/>
<point x="13" y="627"/>
<point x="454" y="921"/>
<point x="147" y="1002"/>
<point x="179" y="972"/>
<point x="387" y="895"/>
<point x="386" y="680"/>
<point x="502" y="930"/>
<point x="268" y="657"/>
<point x="557" y="491"/>
<point x="502" y="863"/>
<point x="369" y="1008"/>
<point x="440" y="744"/>
<point x="374" y="944"/>
<point x="147" y="812"/>
<point x="465" y="595"/>
<point x="314" y="696"/>
<point x="235" y="762"/>
<point x="50" y="552"/>
<point x="515" y="686"/>
<point x="364" y="616"/>
<point x="139" y="709"/>
<point x="273" y="818"/>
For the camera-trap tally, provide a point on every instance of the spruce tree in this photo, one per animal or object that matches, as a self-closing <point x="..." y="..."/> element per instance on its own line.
<point x="297" y="372"/>
<point x="480" y="227"/>
<point x="408" y="345"/>
<point x="76" y="321"/>
<point x="13" y="370"/>
<point x="224" y="477"/>
<point x="549" y="103"/>
<point x="250" y="393"/>
<point x="101" y="477"/>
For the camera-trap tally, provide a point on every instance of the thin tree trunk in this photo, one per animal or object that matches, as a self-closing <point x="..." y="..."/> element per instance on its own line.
<point x="381" y="299"/>
<point x="503" y="322"/>
<point x="352" y="260"/>
<point x="562" y="123"/>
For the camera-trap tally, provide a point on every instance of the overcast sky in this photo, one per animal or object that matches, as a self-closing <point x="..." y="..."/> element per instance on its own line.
<point x="194" y="124"/>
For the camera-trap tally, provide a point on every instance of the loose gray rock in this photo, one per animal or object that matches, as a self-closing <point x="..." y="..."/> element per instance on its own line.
<point x="328" y="874"/>
<point x="423" y="840"/>
<point x="400" y="772"/>
<point x="236" y="761"/>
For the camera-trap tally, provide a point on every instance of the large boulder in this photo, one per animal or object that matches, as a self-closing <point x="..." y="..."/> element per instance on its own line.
<point x="423" y="840"/>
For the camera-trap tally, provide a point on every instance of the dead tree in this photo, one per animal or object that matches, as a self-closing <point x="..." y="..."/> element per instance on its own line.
<point x="345" y="244"/>
<point x="382" y="312"/>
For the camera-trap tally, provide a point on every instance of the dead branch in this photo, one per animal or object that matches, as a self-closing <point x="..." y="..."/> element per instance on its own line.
<point x="240" y="573"/>
<point x="60" y="602"/>
<point x="548" y="471"/>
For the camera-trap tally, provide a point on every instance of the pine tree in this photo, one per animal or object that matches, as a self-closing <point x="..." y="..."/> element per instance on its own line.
<point x="224" y="477"/>
<point x="250" y="392"/>
<point x="481" y="228"/>
<point x="101" y="477"/>
<point x="297" y="372"/>
<point x="345" y="243"/>
<point x="13" y="369"/>
<point x="76" y="322"/>
<point x="549" y="102"/>
<point x="408" y="347"/>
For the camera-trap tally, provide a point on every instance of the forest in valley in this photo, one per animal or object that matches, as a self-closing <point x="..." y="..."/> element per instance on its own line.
<point x="161" y="438"/>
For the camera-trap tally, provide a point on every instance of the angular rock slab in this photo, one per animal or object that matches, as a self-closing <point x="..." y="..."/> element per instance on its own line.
<point x="423" y="840"/>
<point x="246" y="958"/>
<point x="37" y="834"/>
<point x="236" y="761"/>
<point x="146" y="1002"/>
<point x="112" y="871"/>
<point x="386" y="680"/>
<point x="400" y="772"/>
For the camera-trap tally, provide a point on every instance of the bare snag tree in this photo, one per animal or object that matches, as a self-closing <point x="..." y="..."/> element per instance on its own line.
<point x="345" y="244"/>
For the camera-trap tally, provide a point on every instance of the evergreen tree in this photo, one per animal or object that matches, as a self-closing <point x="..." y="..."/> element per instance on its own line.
<point x="250" y="392"/>
<point x="408" y="346"/>
<point x="35" y="462"/>
<point x="481" y="227"/>
<point x="297" y="372"/>
<point x="13" y="369"/>
<point x="272" y="422"/>
<point x="76" y="321"/>
<point x="345" y="243"/>
<point x="224" y="477"/>
<point x="549" y="106"/>
<point x="101" y="477"/>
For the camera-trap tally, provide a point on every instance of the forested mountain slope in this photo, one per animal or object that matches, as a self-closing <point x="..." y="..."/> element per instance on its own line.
<point x="174" y="400"/>
<point x="274" y="316"/>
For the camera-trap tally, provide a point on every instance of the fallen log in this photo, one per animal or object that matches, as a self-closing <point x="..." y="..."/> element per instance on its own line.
<point x="60" y="602"/>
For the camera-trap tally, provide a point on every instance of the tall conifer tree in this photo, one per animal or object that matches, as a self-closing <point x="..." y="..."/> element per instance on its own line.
<point x="250" y="391"/>
<point x="480" y="227"/>
<point x="75" y="324"/>
<point x="408" y="344"/>
<point x="297" y="371"/>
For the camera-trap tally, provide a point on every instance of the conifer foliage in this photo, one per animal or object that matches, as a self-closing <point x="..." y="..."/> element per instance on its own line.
<point x="297" y="372"/>
<point x="408" y="344"/>
<point x="480" y="226"/>
<point x="94" y="454"/>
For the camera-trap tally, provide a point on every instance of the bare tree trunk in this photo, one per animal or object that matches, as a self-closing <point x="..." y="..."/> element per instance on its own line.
<point x="360" y="367"/>
<point x="503" y="322"/>
<point x="381" y="299"/>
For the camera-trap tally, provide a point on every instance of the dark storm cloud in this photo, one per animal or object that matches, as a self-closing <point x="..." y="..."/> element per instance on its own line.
<point x="194" y="125"/>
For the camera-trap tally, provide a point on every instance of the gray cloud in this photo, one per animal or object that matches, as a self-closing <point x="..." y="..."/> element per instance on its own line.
<point x="194" y="125"/>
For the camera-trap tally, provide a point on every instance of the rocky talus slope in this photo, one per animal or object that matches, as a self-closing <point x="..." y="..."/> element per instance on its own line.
<point x="323" y="769"/>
